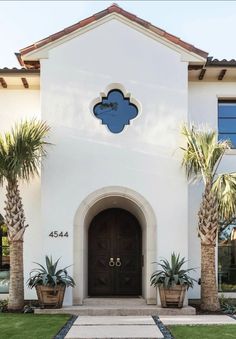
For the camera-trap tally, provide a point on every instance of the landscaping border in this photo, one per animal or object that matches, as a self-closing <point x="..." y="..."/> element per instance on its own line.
<point x="232" y="316"/>
<point x="65" y="329"/>
<point x="164" y="330"/>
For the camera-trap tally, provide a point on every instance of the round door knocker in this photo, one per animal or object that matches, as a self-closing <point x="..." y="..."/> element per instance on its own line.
<point x="118" y="262"/>
<point x="111" y="262"/>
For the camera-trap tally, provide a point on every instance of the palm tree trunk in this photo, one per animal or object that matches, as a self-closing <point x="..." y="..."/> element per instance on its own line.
<point x="16" y="290"/>
<point x="15" y="226"/>
<point x="209" y="290"/>
<point x="208" y="229"/>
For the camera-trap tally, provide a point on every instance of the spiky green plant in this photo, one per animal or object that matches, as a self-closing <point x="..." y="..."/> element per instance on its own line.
<point x="49" y="275"/>
<point x="172" y="273"/>
<point x="201" y="160"/>
<point x="21" y="151"/>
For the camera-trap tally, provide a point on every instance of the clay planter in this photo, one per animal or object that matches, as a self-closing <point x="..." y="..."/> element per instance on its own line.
<point x="172" y="297"/>
<point x="50" y="297"/>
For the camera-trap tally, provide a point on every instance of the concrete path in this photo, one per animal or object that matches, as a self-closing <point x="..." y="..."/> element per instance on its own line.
<point x="135" y="327"/>
<point x="197" y="320"/>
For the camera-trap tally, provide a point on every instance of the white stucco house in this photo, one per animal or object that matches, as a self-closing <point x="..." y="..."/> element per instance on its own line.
<point x="115" y="90"/>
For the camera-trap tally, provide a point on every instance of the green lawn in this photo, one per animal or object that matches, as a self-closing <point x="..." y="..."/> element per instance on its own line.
<point x="203" y="331"/>
<point x="30" y="326"/>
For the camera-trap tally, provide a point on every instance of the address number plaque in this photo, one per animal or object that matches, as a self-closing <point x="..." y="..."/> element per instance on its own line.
<point x="58" y="234"/>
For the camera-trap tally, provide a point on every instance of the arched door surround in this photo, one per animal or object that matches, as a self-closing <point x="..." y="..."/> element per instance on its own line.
<point x="94" y="203"/>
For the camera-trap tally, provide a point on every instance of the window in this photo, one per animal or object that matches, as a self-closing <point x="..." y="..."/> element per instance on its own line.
<point x="115" y="110"/>
<point x="227" y="121"/>
<point x="227" y="258"/>
<point x="4" y="258"/>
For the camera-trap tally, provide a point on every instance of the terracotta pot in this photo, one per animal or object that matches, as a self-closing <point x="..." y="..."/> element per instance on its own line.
<point x="173" y="296"/>
<point x="50" y="297"/>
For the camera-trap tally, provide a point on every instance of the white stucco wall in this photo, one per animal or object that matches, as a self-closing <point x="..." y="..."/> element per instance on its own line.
<point x="203" y="109"/>
<point x="16" y="105"/>
<point x="86" y="156"/>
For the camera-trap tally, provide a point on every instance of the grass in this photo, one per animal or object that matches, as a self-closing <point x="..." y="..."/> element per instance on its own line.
<point x="30" y="326"/>
<point x="203" y="331"/>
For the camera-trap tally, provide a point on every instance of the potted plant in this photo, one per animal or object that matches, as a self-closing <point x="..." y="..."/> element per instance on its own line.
<point x="172" y="280"/>
<point x="50" y="283"/>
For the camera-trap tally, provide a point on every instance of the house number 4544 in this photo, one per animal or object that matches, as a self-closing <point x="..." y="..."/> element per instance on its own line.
<point x="56" y="234"/>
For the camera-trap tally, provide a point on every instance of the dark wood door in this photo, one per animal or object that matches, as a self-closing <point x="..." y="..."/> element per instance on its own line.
<point x="114" y="254"/>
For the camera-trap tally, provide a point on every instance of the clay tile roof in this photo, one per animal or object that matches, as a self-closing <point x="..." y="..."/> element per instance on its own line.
<point x="114" y="8"/>
<point x="220" y="63"/>
<point x="14" y="70"/>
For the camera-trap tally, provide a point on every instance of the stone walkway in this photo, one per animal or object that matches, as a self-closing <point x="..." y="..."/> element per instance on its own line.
<point x="114" y="327"/>
<point x="198" y="320"/>
<point x="136" y="327"/>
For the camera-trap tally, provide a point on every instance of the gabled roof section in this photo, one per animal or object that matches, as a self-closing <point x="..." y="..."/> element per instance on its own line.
<point x="114" y="8"/>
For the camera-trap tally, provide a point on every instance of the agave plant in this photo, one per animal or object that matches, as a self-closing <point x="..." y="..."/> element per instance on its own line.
<point x="172" y="273"/>
<point x="49" y="275"/>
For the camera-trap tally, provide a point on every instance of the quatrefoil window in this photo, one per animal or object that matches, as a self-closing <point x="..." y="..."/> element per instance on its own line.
<point x="115" y="110"/>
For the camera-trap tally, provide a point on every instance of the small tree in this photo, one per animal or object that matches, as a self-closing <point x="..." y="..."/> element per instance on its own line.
<point x="21" y="151"/>
<point x="201" y="160"/>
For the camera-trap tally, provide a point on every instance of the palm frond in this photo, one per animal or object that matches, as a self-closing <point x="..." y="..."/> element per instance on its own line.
<point x="225" y="189"/>
<point x="203" y="152"/>
<point x="22" y="149"/>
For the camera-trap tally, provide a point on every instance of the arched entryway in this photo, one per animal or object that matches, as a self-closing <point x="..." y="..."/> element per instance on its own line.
<point x="114" y="254"/>
<point x="96" y="202"/>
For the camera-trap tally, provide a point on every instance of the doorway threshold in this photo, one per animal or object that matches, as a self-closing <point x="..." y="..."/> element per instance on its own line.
<point x="114" y="301"/>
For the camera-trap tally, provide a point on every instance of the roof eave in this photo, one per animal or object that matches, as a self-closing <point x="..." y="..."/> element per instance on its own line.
<point x="15" y="71"/>
<point x="220" y="63"/>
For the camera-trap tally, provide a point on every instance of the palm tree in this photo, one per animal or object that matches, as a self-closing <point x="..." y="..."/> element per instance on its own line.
<point x="21" y="151"/>
<point x="201" y="160"/>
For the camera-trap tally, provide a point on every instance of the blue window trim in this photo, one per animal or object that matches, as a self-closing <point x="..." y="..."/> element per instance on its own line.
<point x="221" y="118"/>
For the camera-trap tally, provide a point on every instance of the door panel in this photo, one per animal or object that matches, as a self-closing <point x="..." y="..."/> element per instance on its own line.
<point x="100" y="275"/>
<point x="114" y="233"/>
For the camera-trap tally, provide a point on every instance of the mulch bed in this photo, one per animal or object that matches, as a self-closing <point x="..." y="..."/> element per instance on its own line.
<point x="202" y="312"/>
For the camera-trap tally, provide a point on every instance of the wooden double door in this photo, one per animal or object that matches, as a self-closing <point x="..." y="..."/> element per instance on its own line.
<point x="114" y="254"/>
